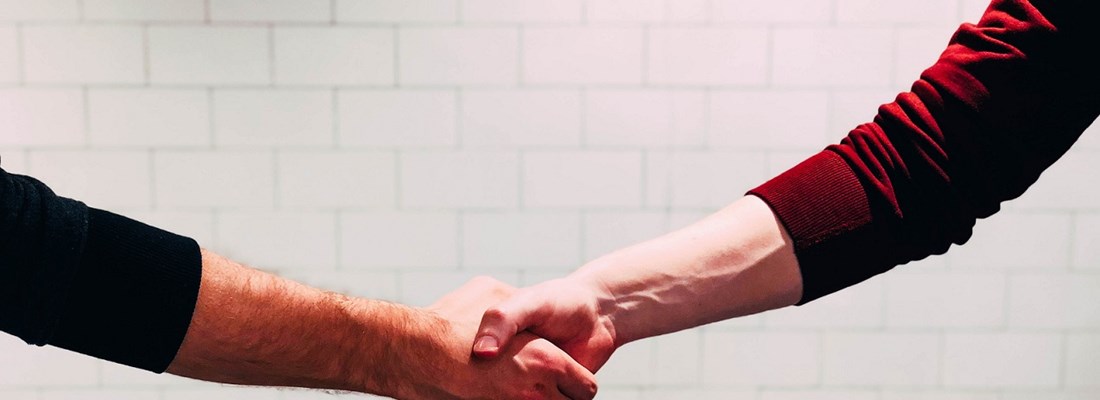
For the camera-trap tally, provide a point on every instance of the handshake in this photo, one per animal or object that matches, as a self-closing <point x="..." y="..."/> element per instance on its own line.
<point x="540" y="342"/>
<point x="488" y="340"/>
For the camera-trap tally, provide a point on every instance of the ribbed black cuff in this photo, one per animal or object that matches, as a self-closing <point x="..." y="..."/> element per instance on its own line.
<point x="133" y="295"/>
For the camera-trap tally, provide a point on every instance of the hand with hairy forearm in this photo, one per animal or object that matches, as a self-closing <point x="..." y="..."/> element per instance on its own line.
<point x="254" y="328"/>
<point x="736" y="262"/>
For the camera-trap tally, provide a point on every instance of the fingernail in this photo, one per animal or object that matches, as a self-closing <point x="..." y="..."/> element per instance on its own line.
<point x="486" y="343"/>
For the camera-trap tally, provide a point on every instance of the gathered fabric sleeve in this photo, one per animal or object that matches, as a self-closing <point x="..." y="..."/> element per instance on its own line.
<point x="1003" y="102"/>
<point x="92" y="281"/>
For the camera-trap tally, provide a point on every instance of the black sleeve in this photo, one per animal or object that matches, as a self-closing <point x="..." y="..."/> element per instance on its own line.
<point x="91" y="281"/>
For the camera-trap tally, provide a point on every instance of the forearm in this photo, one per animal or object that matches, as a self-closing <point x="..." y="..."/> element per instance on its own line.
<point x="736" y="262"/>
<point x="255" y="328"/>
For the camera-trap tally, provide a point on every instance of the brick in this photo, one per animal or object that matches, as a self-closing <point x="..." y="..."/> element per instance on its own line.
<point x="421" y="289"/>
<point x="41" y="117"/>
<point x="1054" y="301"/>
<point x="510" y="118"/>
<point x="397" y="10"/>
<point x="148" y="118"/>
<point x="223" y="392"/>
<point x="523" y="11"/>
<point x="209" y="55"/>
<point x="459" y="180"/>
<point x="520" y="240"/>
<point x="972" y="10"/>
<point x="309" y="394"/>
<point x="112" y="179"/>
<point x="334" y="56"/>
<point x="1001" y="360"/>
<point x="830" y="57"/>
<point x="776" y="11"/>
<point x="780" y="161"/>
<point x="43" y="10"/>
<point x="1008" y="240"/>
<point x="1082" y="360"/>
<point x="398" y="240"/>
<point x="458" y="56"/>
<point x="198" y="225"/>
<point x="280" y="241"/>
<point x="120" y="376"/>
<point x="369" y="285"/>
<point x="9" y="55"/>
<point x="625" y="10"/>
<point x="273" y="118"/>
<point x="918" y="49"/>
<point x="234" y="179"/>
<point x="582" y="179"/>
<point x="662" y="393"/>
<point x="1090" y="139"/>
<point x="707" y="56"/>
<point x="896" y="11"/>
<point x="945" y="299"/>
<point x="270" y="10"/>
<point x="14" y="161"/>
<point x="322" y="179"/>
<point x="687" y="11"/>
<point x="851" y="108"/>
<point x="910" y="394"/>
<point x="632" y="364"/>
<point x="817" y="394"/>
<point x="774" y="358"/>
<point x="677" y="358"/>
<point x="769" y="119"/>
<point x="859" y="306"/>
<point x="644" y="118"/>
<point x="144" y="10"/>
<point x="607" y="231"/>
<point x="26" y="365"/>
<point x="881" y="359"/>
<point x="1060" y="187"/>
<point x="582" y="55"/>
<point x="84" y="54"/>
<point x="100" y="394"/>
<point x="1086" y="394"/>
<point x="19" y="394"/>
<point x="699" y="179"/>
<point x="1086" y="241"/>
<point x="397" y="118"/>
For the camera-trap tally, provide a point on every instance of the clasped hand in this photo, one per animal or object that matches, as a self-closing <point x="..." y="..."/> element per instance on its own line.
<point x="540" y="342"/>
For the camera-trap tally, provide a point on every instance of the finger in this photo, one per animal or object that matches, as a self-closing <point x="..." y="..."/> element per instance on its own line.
<point x="577" y="382"/>
<point x="502" y="321"/>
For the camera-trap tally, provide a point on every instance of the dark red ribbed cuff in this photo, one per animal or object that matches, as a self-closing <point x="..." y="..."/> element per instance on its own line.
<point x="825" y="210"/>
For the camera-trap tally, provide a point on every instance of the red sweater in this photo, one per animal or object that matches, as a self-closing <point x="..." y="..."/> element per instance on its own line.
<point x="1005" y="100"/>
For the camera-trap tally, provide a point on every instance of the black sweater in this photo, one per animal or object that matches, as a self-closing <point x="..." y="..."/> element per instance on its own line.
<point x="91" y="281"/>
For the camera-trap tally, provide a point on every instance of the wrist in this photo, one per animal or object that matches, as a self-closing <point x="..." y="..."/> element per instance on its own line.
<point x="610" y="313"/>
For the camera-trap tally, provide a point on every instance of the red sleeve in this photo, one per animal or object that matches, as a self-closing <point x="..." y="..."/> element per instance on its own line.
<point x="1004" y="101"/>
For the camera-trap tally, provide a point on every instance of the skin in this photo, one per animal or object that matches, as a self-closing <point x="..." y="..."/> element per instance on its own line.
<point x="255" y="328"/>
<point x="735" y="262"/>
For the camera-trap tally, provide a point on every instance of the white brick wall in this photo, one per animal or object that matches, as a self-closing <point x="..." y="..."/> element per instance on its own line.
<point x="396" y="148"/>
<point x="334" y="56"/>
<point x="458" y="56"/>
<point x="578" y="55"/>
<point x="83" y="54"/>
<point x="42" y="117"/>
<point x="273" y="118"/>
<point x="209" y="55"/>
<point x="148" y="118"/>
<point x="9" y="54"/>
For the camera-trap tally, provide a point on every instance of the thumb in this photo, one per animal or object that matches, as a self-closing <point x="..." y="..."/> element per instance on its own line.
<point x="501" y="322"/>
